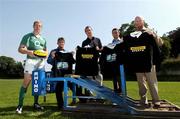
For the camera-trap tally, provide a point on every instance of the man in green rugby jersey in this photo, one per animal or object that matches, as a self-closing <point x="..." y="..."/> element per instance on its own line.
<point x="29" y="43"/>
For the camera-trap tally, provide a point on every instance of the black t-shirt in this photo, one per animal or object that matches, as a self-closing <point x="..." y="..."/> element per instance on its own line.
<point x="86" y="61"/>
<point x="111" y="59"/>
<point x="140" y="52"/>
<point x="63" y="64"/>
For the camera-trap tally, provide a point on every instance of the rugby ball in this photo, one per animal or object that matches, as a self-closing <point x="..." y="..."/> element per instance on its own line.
<point x="40" y="53"/>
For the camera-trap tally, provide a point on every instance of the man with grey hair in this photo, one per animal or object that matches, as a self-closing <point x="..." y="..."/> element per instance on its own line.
<point x="158" y="39"/>
<point x="142" y="55"/>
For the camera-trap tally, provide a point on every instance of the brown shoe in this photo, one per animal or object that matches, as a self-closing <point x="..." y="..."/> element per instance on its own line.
<point x="157" y="105"/>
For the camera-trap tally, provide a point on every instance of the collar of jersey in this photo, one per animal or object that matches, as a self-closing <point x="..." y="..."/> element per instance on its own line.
<point x="114" y="43"/>
<point x="136" y="34"/>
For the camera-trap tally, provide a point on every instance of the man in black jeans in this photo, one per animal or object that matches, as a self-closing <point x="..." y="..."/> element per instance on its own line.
<point x="111" y="58"/>
<point x="61" y="62"/>
<point x="95" y="43"/>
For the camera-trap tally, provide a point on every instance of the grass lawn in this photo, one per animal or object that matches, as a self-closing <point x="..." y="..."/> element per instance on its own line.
<point x="9" y="90"/>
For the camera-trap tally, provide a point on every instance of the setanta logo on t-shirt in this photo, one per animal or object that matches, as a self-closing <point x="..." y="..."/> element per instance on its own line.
<point x="138" y="48"/>
<point x="87" y="56"/>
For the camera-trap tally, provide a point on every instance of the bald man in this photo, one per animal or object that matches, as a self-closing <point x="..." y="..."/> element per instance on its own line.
<point x="142" y="52"/>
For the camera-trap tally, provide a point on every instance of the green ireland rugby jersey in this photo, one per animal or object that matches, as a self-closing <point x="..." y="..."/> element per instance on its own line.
<point x="33" y="43"/>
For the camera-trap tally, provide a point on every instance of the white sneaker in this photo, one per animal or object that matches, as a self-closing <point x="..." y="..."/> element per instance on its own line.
<point x="19" y="110"/>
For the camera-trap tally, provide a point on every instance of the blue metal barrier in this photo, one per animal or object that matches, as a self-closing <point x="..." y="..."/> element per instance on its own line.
<point x="123" y="81"/>
<point x="39" y="87"/>
<point x="125" y="104"/>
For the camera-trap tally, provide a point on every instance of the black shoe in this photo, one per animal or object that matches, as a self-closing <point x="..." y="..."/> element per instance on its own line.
<point x="92" y="100"/>
<point x="156" y="106"/>
<point x="60" y="107"/>
<point x="145" y="105"/>
<point x="100" y="100"/>
<point x="82" y="100"/>
<point x="38" y="107"/>
<point x="118" y="92"/>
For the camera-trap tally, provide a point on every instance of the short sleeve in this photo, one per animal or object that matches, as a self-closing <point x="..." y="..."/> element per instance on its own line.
<point x="24" y="40"/>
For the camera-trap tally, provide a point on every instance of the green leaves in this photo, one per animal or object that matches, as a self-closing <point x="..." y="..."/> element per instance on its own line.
<point x="9" y="68"/>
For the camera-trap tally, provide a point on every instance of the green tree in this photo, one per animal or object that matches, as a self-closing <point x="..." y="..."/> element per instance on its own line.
<point x="127" y="28"/>
<point x="10" y="68"/>
<point x="166" y="48"/>
<point x="174" y="35"/>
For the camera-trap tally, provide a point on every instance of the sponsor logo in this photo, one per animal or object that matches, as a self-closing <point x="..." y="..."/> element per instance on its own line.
<point x="37" y="43"/>
<point x="87" y="56"/>
<point x="138" y="49"/>
<point x="35" y="82"/>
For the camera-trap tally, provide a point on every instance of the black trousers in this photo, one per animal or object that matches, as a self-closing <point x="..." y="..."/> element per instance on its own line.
<point x="116" y="78"/>
<point x="79" y="91"/>
<point x="59" y="92"/>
